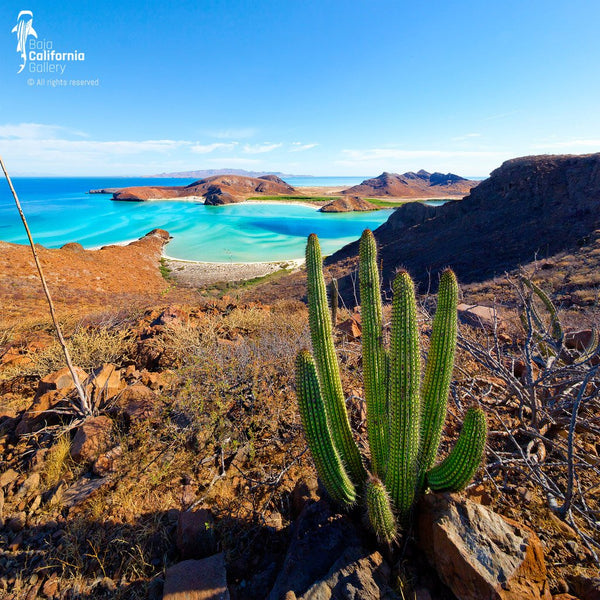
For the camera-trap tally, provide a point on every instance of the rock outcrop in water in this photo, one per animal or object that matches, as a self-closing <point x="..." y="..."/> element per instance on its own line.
<point x="219" y="189"/>
<point x="413" y="185"/>
<point x="349" y="204"/>
<point x="530" y="206"/>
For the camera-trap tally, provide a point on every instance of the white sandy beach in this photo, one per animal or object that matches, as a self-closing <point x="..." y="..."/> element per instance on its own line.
<point x="200" y="274"/>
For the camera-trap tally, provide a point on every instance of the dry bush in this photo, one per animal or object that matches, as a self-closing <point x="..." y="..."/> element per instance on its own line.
<point x="57" y="462"/>
<point x="89" y="349"/>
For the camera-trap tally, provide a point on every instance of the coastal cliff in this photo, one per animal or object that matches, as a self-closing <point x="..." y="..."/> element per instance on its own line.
<point x="413" y="185"/>
<point x="529" y="207"/>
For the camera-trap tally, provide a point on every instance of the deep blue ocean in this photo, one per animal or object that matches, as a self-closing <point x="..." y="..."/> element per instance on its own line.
<point x="59" y="210"/>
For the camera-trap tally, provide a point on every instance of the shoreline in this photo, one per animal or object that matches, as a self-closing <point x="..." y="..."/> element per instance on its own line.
<point x="199" y="274"/>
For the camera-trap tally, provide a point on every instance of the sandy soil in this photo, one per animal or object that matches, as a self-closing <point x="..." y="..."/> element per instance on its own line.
<point x="198" y="274"/>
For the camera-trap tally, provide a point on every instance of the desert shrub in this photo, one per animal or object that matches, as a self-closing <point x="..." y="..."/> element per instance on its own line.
<point x="89" y="348"/>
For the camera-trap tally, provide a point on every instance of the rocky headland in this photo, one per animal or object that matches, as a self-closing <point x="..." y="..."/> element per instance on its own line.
<point x="218" y="189"/>
<point x="413" y="185"/>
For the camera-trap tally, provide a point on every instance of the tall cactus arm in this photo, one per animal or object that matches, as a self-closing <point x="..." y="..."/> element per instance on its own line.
<point x="327" y="460"/>
<point x="374" y="358"/>
<point x="557" y="332"/>
<point x="327" y="365"/>
<point x="438" y="372"/>
<point x="456" y="471"/>
<point x="404" y="400"/>
<point x="379" y="511"/>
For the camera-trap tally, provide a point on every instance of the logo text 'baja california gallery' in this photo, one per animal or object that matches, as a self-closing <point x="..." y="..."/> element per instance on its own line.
<point x="40" y="54"/>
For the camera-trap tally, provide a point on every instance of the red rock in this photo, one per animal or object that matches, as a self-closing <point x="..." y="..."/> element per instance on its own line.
<point x="586" y="588"/>
<point x="8" y="477"/>
<point x="204" y="579"/>
<point x="106" y="383"/>
<point x="136" y="402"/>
<point x="60" y="380"/>
<point x="195" y="534"/>
<point x="91" y="439"/>
<point x="351" y="328"/>
<point x="108" y="462"/>
<point x="50" y="589"/>
<point x="480" y="554"/>
<point x="34" y="416"/>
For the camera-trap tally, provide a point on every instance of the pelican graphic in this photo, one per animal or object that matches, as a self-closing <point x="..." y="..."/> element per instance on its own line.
<point x="24" y="29"/>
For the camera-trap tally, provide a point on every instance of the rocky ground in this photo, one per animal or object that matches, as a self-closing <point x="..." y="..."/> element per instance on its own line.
<point x="195" y="453"/>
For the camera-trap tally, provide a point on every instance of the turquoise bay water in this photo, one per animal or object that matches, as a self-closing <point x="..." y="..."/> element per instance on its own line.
<point x="59" y="211"/>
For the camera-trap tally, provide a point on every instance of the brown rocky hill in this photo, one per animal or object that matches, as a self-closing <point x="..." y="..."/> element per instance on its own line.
<point x="348" y="204"/>
<point x="413" y="185"/>
<point x="80" y="280"/>
<point x="535" y="206"/>
<point x="218" y="189"/>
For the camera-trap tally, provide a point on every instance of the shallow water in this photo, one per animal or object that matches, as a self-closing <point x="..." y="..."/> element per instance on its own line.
<point x="59" y="211"/>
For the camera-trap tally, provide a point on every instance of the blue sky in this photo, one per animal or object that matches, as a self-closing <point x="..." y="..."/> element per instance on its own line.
<point x="301" y="86"/>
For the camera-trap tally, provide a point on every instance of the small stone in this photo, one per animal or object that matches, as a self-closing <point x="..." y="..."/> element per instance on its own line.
<point x="8" y="477"/>
<point x="17" y="521"/>
<point x="304" y="491"/>
<point x="274" y="521"/>
<point x="35" y="504"/>
<point x="32" y="483"/>
<point x="50" y="588"/>
<point x="108" y="462"/>
<point x="136" y="402"/>
<point x="91" y="439"/>
<point x="204" y="579"/>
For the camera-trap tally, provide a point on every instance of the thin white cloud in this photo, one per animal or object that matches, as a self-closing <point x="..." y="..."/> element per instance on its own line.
<point x="36" y="131"/>
<point x="229" y="134"/>
<point x="234" y="161"/>
<point x="208" y="148"/>
<point x="299" y="147"/>
<point x="261" y="148"/>
<point x="374" y="154"/>
<point x="569" y="144"/>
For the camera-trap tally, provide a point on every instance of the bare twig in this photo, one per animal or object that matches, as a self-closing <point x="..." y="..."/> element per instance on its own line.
<point x="84" y="405"/>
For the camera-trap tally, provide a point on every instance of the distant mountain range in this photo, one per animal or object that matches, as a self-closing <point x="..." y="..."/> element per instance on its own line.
<point x="202" y="173"/>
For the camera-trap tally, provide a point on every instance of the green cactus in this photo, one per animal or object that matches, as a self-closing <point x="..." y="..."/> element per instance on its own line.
<point x="404" y="417"/>
<point x="380" y="515"/>
<point x="326" y="360"/>
<point x="327" y="460"/>
<point x="455" y="472"/>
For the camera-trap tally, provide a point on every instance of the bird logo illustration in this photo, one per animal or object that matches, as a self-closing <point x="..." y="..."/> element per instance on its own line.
<point x="23" y="29"/>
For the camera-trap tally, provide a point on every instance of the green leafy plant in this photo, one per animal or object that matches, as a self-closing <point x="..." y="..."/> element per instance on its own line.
<point x="405" y="415"/>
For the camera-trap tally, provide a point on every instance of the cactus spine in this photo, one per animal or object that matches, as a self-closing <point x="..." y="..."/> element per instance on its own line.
<point x="379" y="511"/>
<point x="404" y="401"/>
<point x="374" y="355"/>
<point x="455" y="472"/>
<point x="404" y="418"/>
<point x="334" y="293"/>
